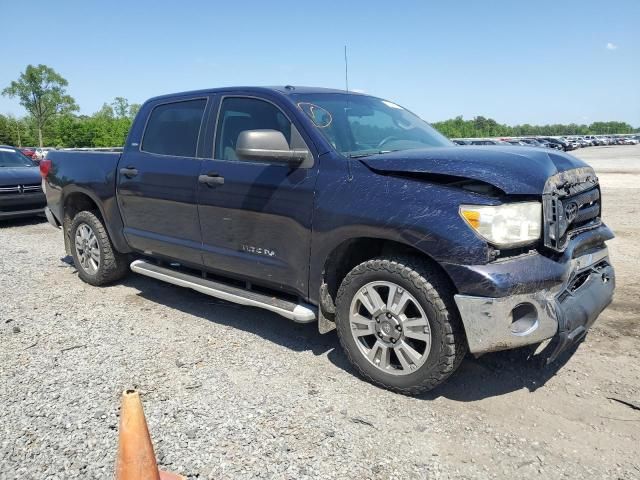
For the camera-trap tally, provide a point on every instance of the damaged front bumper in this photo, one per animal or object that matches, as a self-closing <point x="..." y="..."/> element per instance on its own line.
<point x="561" y="302"/>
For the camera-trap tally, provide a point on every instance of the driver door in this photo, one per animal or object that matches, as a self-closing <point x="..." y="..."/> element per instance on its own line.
<point x="255" y="217"/>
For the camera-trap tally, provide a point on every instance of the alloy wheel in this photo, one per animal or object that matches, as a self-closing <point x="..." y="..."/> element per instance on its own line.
<point x="87" y="249"/>
<point x="390" y="327"/>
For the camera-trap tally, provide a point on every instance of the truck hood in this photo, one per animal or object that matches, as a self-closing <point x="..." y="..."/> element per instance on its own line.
<point x="514" y="170"/>
<point x="10" y="176"/>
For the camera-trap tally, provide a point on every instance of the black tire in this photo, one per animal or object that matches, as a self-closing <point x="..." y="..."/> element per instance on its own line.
<point x="434" y="294"/>
<point x="113" y="265"/>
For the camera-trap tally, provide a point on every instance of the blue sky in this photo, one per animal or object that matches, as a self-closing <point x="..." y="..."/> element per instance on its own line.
<point x="515" y="61"/>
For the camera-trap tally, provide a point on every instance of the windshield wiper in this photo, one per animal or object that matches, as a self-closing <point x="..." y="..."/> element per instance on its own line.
<point x="379" y="152"/>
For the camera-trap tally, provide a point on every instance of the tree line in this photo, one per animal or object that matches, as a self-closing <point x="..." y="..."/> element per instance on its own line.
<point x="487" y="127"/>
<point x="107" y="127"/>
<point x="52" y="118"/>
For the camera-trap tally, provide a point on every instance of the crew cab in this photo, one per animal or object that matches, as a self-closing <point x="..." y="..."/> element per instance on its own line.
<point x="346" y="210"/>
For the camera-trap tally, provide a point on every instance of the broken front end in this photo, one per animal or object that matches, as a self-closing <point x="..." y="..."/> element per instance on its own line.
<point x="555" y="291"/>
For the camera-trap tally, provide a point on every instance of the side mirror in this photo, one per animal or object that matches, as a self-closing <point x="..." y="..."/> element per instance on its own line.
<point x="267" y="146"/>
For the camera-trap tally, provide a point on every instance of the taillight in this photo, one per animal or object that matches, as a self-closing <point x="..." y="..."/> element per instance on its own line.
<point x="45" y="167"/>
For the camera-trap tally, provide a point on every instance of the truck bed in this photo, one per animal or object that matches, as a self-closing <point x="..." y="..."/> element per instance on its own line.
<point x="92" y="174"/>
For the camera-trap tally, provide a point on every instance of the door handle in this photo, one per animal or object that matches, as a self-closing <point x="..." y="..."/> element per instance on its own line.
<point x="129" y="172"/>
<point x="211" y="179"/>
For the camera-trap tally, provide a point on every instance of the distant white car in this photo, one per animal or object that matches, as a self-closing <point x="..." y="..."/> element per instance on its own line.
<point x="42" y="152"/>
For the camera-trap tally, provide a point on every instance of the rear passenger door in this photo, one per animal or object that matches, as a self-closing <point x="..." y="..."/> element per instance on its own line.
<point x="256" y="218"/>
<point x="157" y="181"/>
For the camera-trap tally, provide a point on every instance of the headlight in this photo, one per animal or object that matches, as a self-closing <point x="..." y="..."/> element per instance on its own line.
<point x="507" y="225"/>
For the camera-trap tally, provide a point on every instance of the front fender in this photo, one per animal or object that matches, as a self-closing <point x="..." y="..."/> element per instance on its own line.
<point x="415" y="213"/>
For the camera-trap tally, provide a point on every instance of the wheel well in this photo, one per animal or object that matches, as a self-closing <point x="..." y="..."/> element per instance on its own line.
<point x="355" y="251"/>
<point x="73" y="204"/>
<point x="77" y="202"/>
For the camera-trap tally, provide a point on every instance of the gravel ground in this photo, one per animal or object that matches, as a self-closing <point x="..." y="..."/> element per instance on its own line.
<point x="232" y="392"/>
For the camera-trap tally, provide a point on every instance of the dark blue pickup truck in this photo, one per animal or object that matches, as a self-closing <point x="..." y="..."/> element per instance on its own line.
<point x="350" y="211"/>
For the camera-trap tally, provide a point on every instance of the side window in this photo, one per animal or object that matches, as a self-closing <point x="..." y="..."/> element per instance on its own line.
<point x="173" y="128"/>
<point x="238" y="114"/>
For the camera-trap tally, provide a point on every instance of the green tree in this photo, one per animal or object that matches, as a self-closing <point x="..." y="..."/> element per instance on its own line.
<point x="6" y="131"/>
<point x="14" y="131"/>
<point x="134" y="108"/>
<point x="120" y="107"/>
<point x="42" y="92"/>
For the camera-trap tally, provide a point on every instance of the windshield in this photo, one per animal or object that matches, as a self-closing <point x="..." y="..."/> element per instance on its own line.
<point x="360" y="125"/>
<point x="12" y="158"/>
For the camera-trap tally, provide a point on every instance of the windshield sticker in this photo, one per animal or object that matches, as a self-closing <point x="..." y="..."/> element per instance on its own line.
<point x="319" y="116"/>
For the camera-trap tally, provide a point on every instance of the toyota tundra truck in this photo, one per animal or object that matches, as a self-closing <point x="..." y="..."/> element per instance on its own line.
<point x="346" y="210"/>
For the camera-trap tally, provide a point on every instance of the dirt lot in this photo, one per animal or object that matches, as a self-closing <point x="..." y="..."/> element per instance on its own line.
<point x="233" y="392"/>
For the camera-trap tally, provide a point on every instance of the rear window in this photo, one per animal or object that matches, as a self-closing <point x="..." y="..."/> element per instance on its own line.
<point x="173" y="128"/>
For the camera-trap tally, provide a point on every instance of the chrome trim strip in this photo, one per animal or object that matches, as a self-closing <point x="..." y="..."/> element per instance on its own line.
<point x="300" y="313"/>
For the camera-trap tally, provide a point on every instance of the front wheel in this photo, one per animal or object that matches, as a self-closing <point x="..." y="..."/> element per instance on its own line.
<point x="97" y="261"/>
<point x="398" y="325"/>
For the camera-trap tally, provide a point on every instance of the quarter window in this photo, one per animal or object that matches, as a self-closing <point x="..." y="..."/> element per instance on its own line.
<point x="173" y="128"/>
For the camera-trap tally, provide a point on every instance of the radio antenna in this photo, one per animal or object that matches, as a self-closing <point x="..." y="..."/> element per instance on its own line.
<point x="346" y="69"/>
<point x="346" y="84"/>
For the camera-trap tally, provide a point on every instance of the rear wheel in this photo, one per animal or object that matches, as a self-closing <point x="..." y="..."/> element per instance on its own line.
<point x="398" y="325"/>
<point x="98" y="263"/>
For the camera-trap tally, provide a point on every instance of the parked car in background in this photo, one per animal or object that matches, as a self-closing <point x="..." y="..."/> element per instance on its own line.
<point x="514" y="141"/>
<point x="532" y="142"/>
<point x="28" y="151"/>
<point x="42" y="152"/>
<point x="577" y="143"/>
<point x="459" y="141"/>
<point x="487" y="141"/>
<point x="563" y="145"/>
<point x="20" y="185"/>
<point x="548" y="144"/>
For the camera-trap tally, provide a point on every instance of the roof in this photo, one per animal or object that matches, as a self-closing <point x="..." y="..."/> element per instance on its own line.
<point x="283" y="90"/>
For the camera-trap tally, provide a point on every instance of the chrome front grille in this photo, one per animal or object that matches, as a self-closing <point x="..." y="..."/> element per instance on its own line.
<point x="21" y="189"/>
<point x="570" y="214"/>
<point x="31" y="188"/>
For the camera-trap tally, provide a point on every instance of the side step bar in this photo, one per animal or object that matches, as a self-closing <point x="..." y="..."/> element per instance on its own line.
<point x="291" y="310"/>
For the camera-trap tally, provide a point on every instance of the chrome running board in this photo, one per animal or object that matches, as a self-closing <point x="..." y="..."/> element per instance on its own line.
<point x="293" y="311"/>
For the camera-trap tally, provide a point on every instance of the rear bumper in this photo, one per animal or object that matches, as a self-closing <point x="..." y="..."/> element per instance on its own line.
<point x="566" y="310"/>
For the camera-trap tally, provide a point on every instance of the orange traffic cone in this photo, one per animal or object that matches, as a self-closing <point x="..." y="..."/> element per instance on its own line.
<point x="136" y="460"/>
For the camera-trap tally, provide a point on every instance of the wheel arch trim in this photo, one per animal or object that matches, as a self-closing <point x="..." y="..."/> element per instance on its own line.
<point x="108" y="212"/>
